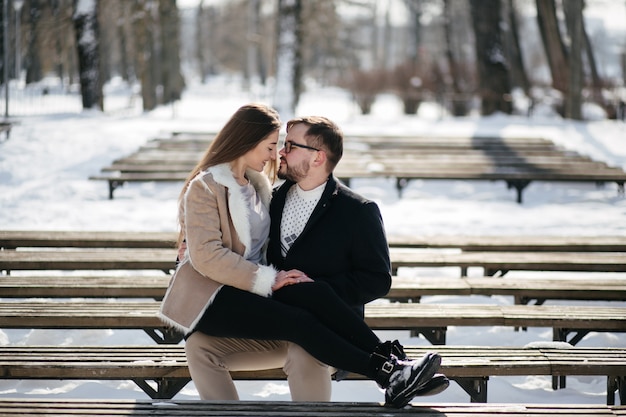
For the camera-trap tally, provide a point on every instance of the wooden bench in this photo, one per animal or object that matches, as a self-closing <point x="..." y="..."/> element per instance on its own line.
<point x="19" y="407"/>
<point x="516" y="161"/>
<point x="163" y="259"/>
<point x="430" y="320"/>
<point x="524" y="291"/>
<point x="166" y="365"/>
<point x="501" y="262"/>
<point x="12" y="239"/>
<point x="94" y="259"/>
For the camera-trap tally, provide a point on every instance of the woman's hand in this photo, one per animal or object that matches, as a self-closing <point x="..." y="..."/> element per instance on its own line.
<point x="290" y="277"/>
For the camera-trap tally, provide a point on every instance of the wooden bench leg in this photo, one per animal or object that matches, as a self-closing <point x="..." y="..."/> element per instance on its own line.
<point x="164" y="335"/>
<point x="519" y="186"/>
<point x="475" y="387"/>
<point x="401" y="183"/>
<point x="615" y="383"/>
<point x="620" y="188"/>
<point x="435" y="335"/>
<point x="560" y="335"/>
<point x="166" y="387"/>
<point x="113" y="184"/>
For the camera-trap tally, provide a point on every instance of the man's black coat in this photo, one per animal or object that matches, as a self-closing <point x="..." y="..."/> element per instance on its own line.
<point x="343" y="244"/>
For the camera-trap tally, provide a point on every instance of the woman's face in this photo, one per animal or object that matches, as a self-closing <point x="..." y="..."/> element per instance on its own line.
<point x="263" y="152"/>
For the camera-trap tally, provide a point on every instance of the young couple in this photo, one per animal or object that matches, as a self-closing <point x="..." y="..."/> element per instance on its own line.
<point x="265" y="285"/>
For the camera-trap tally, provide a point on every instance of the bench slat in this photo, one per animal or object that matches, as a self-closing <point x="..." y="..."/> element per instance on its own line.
<point x="163" y="259"/>
<point x="125" y="362"/>
<point x="143" y="239"/>
<point x="172" y="408"/>
<point x="395" y="316"/>
<point x="401" y="289"/>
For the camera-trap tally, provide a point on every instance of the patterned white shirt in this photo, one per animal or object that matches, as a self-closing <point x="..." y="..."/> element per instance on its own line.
<point x="299" y="205"/>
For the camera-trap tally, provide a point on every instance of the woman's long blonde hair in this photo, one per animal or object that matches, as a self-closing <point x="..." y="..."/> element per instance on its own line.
<point x="249" y="126"/>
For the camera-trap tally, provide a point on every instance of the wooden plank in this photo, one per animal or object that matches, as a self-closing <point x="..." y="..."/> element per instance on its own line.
<point x="521" y="287"/>
<point x="149" y="239"/>
<point x="522" y="243"/>
<point x="125" y="362"/>
<point x="15" y="407"/>
<point x="507" y="261"/>
<point x="154" y="286"/>
<point x="11" y="239"/>
<point x="394" y="316"/>
<point x="160" y="259"/>
<point x="164" y="259"/>
<point x="134" y="286"/>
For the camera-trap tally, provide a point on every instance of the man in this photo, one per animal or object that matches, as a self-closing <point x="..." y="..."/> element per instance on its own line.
<point x="331" y="234"/>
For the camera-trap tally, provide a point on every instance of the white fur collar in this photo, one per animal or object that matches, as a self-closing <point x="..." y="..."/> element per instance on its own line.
<point x="239" y="211"/>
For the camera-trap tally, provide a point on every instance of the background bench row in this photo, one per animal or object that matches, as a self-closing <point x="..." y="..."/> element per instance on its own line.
<point x="517" y="161"/>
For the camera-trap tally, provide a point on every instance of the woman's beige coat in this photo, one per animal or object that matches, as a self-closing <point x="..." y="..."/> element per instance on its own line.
<point x="217" y="231"/>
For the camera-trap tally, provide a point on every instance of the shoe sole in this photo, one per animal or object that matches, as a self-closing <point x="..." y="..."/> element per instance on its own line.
<point x="437" y="384"/>
<point x="431" y="365"/>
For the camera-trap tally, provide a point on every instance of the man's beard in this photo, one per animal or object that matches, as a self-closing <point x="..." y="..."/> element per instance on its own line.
<point x="295" y="173"/>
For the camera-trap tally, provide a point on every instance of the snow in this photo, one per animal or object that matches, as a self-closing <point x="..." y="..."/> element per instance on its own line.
<point x="46" y="162"/>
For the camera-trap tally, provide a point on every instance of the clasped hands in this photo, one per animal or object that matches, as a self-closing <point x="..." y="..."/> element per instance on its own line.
<point x="291" y="277"/>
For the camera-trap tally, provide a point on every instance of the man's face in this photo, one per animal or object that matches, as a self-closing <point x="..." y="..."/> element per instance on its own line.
<point x="295" y="165"/>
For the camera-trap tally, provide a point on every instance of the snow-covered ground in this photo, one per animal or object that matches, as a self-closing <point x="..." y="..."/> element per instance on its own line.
<point x="45" y="165"/>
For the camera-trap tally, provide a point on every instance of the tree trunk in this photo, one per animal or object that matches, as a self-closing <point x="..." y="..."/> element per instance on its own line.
<point x="144" y="49"/>
<point x="171" y="77"/>
<point x="459" y="107"/>
<point x="596" y="81"/>
<point x="493" y="73"/>
<point x="86" y="25"/>
<point x="518" y="70"/>
<point x="553" y="44"/>
<point x="253" y="42"/>
<point x="574" y="21"/>
<point x="33" y="61"/>
<point x="415" y="25"/>
<point x="123" y="30"/>
<point x="288" y="57"/>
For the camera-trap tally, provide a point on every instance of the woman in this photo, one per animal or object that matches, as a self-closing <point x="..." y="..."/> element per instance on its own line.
<point x="223" y="288"/>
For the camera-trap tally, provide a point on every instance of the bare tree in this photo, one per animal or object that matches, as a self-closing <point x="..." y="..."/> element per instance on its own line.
<point x="493" y="73"/>
<point x="459" y="104"/>
<point x="86" y="25"/>
<point x="144" y="41"/>
<point x="288" y="57"/>
<point x="33" y="64"/>
<point x="124" y="35"/>
<point x="553" y="44"/>
<point x="519" y="77"/>
<point x="574" y="21"/>
<point x="171" y="78"/>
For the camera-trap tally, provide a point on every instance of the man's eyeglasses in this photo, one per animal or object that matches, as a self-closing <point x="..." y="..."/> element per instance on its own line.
<point x="289" y="145"/>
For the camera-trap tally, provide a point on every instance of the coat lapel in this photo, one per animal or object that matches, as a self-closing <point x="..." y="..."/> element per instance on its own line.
<point x="237" y="204"/>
